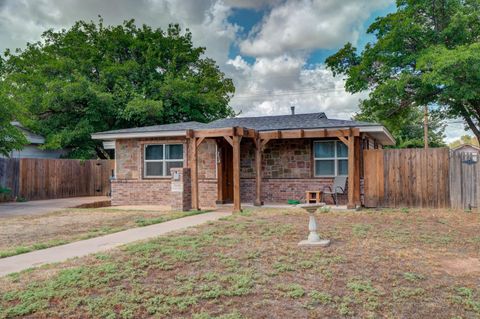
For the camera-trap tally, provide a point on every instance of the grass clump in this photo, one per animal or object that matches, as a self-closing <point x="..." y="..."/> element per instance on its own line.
<point x="410" y="276"/>
<point x="468" y="298"/>
<point x="361" y="230"/>
<point x="292" y="290"/>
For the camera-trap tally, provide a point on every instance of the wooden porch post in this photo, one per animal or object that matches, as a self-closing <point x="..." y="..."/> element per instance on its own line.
<point x="353" y="172"/>
<point x="194" y="171"/>
<point x="358" y="154"/>
<point x="236" y="174"/>
<point x="220" y="177"/>
<point x="258" y="173"/>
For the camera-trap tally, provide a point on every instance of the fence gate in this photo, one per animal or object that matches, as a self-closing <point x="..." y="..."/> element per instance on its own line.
<point x="406" y="178"/>
<point x="465" y="181"/>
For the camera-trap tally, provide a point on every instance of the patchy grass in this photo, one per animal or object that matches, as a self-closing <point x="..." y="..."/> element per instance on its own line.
<point x="379" y="265"/>
<point x="19" y="235"/>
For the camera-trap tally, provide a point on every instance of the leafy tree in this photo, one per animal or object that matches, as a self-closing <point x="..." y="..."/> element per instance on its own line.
<point x="408" y="128"/>
<point x="427" y="53"/>
<point x="10" y="137"/>
<point x="94" y="78"/>
<point x="464" y="139"/>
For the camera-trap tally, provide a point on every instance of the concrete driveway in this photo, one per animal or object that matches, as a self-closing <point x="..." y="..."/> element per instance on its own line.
<point x="35" y="207"/>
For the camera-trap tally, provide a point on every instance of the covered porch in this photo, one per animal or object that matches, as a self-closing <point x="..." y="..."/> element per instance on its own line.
<point x="228" y="170"/>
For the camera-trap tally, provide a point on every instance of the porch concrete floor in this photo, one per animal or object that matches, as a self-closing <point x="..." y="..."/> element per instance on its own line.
<point x="277" y="205"/>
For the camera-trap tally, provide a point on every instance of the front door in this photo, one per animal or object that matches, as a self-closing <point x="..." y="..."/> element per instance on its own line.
<point x="227" y="173"/>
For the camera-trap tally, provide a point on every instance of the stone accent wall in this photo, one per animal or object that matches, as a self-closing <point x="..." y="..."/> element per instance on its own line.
<point x="290" y="158"/>
<point x="127" y="159"/>
<point x="207" y="160"/>
<point x="141" y="192"/>
<point x="281" y="190"/>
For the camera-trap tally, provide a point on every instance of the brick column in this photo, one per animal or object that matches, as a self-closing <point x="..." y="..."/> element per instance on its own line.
<point x="181" y="191"/>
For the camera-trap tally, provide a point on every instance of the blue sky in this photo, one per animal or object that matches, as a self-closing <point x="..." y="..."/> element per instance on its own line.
<point x="274" y="50"/>
<point x="248" y="18"/>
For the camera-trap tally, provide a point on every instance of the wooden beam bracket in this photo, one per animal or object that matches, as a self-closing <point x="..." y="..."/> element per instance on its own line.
<point x="199" y="141"/>
<point x="228" y="139"/>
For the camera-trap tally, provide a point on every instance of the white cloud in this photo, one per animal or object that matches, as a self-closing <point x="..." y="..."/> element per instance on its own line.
<point x="272" y="85"/>
<point x="454" y="130"/>
<point x="280" y="43"/>
<point x="24" y="21"/>
<point x="309" y="24"/>
<point x="252" y="4"/>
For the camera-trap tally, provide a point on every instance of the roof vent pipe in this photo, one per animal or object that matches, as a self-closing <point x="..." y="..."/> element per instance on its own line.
<point x="293" y="109"/>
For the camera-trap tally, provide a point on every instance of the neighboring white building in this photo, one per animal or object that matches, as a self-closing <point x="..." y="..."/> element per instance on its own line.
<point x="467" y="148"/>
<point x="33" y="150"/>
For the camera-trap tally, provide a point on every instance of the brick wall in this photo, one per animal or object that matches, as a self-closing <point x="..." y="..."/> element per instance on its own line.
<point x="287" y="173"/>
<point x="181" y="192"/>
<point x="129" y="156"/>
<point x="130" y="187"/>
<point x="138" y="192"/>
<point x="207" y="194"/>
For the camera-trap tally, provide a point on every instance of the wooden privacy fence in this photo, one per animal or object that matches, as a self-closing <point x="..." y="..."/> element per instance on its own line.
<point x="464" y="181"/>
<point x="407" y="178"/>
<point x="9" y="173"/>
<point x="55" y="178"/>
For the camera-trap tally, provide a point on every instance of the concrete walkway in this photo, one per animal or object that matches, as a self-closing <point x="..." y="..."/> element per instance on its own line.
<point x="98" y="244"/>
<point x="35" y="207"/>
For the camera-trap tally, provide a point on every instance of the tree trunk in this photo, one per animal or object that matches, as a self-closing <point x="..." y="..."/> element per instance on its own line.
<point x="101" y="153"/>
<point x="473" y="127"/>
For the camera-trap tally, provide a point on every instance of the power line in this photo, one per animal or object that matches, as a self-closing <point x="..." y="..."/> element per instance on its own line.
<point x="288" y="93"/>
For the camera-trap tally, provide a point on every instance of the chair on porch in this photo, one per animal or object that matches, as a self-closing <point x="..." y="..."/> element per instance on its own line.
<point x="339" y="187"/>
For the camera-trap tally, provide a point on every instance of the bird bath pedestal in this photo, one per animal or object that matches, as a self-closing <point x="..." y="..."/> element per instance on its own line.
<point x="313" y="237"/>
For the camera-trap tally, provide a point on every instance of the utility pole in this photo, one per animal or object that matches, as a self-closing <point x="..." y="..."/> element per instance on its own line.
<point x="425" y="126"/>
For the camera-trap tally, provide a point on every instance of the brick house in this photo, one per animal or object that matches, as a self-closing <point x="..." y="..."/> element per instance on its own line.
<point x="267" y="159"/>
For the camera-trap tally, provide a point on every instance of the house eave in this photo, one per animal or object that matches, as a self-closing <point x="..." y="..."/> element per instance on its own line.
<point x="118" y="136"/>
<point x="379" y="132"/>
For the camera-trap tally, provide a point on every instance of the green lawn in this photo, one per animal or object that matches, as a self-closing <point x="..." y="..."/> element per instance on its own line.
<point x="389" y="264"/>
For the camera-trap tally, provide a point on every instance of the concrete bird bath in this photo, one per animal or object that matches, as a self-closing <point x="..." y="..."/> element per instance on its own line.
<point x="313" y="237"/>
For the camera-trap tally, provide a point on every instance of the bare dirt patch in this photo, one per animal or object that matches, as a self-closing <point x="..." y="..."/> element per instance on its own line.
<point x="461" y="266"/>
<point x="25" y="233"/>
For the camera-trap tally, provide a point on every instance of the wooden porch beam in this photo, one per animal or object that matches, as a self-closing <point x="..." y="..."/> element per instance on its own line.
<point x="215" y="132"/>
<point x="319" y="133"/>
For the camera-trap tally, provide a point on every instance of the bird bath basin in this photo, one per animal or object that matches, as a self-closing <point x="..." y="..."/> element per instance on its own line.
<point x="313" y="237"/>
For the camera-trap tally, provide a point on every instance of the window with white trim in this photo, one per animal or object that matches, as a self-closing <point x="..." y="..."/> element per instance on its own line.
<point x="160" y="158"/>
<point x="330" y="158"/>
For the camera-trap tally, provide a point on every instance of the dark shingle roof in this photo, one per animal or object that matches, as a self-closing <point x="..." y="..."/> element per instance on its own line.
<point x="260" y="123"/>
<point x="159" y="128"/>
<point x="286" y="122"/>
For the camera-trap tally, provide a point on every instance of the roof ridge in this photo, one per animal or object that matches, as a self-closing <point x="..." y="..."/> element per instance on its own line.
<point x="263" y="116"/>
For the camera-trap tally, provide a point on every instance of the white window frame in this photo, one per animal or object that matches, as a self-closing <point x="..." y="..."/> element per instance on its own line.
<point x="335" y="159"/>
<point x="164" y="160"/>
